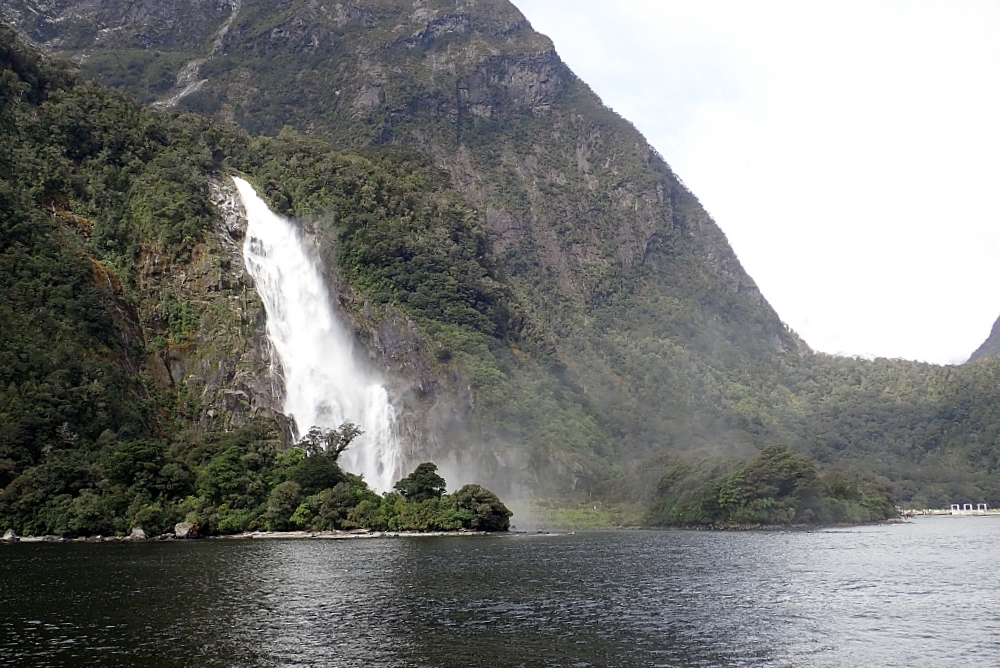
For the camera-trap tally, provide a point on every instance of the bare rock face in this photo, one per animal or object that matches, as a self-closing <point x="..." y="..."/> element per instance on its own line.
<point x="10" y="536"/>
<point x="137" y="534"/>
<point x="225" y="365"/>
<point x="185" y="530"/>
<point x="72" y="25"/>
<point x="433" y="406"/>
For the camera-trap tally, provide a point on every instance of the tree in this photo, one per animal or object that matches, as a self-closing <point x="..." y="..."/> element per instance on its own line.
<point x="319" y="469"/>
<point x="331" y="442"/>
<point x="488" y="512"/>
<point x="282" y="502"/>
<point x="423" y="484"/>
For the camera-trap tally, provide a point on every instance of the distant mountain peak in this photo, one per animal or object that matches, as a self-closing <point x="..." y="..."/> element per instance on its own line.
<point x="991" y="346"/>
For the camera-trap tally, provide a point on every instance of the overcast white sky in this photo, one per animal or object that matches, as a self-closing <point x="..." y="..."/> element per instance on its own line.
<point x="850" y="150"/>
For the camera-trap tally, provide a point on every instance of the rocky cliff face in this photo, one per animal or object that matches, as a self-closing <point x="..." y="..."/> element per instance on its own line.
<point x="219" y="362"/>
<point x="84" y="27"/>
<point x="228" y="367"/>
<point x="434" y="405"/>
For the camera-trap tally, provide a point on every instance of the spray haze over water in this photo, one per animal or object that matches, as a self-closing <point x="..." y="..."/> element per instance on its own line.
<point x="324" y="384"/>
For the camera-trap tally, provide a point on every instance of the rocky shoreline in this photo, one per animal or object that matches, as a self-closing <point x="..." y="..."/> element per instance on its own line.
<point x="138" y="535"/>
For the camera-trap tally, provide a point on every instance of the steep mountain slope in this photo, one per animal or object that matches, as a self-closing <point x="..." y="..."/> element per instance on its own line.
<point x="613" y="259"/>
<point x="613" y="329"/>
<point x="451" y="80"/>
<point x="991" y="346"/>
<point x="117" y="303"/>
<point x="137" y="380"/>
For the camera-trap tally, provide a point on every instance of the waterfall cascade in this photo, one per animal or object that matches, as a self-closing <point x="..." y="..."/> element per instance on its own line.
<point x="324" y="384"/>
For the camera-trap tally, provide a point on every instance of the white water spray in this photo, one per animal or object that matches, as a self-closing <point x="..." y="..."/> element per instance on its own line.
<point x="324" y="384"/>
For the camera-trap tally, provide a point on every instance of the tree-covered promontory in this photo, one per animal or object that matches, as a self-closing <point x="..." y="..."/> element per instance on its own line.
<point x="240" y="481"/>
<point x="778" y="487"/>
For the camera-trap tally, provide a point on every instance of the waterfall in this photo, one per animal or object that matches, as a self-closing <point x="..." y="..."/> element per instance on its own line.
<point x="324" y="384"/>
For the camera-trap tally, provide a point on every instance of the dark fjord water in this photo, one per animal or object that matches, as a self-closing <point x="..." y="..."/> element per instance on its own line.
<point x="921" y="594"/>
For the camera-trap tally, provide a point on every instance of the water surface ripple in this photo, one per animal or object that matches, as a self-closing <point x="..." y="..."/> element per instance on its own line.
<point x="916" y="595"/>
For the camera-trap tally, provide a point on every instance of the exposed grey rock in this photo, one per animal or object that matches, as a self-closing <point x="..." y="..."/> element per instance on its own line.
<point x="74" y="24"/>
<point x="228" y="363"/>
<point x="185" y="530"/>
<point x="137" y="534"/>
<point x="10" y="537"/>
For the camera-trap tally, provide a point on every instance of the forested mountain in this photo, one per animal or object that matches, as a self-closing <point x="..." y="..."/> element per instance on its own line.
<point x="137" y="385"/>
<point x="554" y="307"/>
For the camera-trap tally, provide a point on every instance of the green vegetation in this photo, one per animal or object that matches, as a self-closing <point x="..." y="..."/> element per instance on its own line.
<point x="589" y="514"/>
<point x="555" y="284"/>
<point x="394" y="230"/>
<point x="99" y="200"/>
<point x="424" y="484"/>
<point x="94" y="190"/>
<point x="991" y="346"/>
<point x="230" y="483"/>
<point x="93" y="186"/>
<point x="148" y="75"/>
<point x="400" y="234"/>
<point x="777" y="487"/>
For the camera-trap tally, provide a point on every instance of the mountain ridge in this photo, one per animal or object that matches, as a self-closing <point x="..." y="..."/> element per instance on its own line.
<point x="990" y="347"/>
